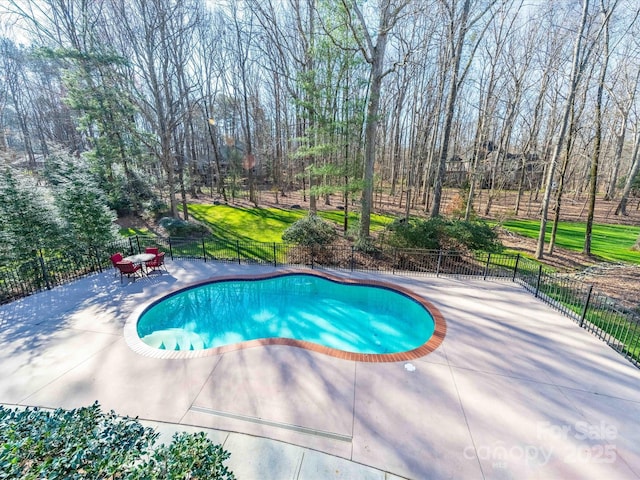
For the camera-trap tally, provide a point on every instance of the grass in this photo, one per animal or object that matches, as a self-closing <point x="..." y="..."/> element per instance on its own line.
<point x="250" y="232"/>
<point x="264" y="224"/>
<point x="608" y="242"/>
<point x="130" y="232"/>
<point x="600" y="314"/>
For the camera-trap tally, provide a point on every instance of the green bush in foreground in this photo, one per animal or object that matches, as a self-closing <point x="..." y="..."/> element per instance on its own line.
<point x="86" y="443"/>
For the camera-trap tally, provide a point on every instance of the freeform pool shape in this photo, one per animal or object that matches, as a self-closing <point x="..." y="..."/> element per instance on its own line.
<point x="353" y="319"/>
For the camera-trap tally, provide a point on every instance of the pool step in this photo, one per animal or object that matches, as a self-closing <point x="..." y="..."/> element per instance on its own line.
<point x="174" y="339"/>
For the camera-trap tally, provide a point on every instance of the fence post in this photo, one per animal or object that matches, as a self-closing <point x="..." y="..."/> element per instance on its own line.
<point x="204" y="251"/>
<point x="538" y="282"/>
<point x="393" y="263"/>
<point x="275" y="258"/>
<point x="586" y="306"/>
<point x="238" y="250"/>
<point x="138" y="242"/>
<point x="353" y="260"/>
<point x="45" y="272"/>
<point x="131" y="251"/>
<point x="486" y="266"/>
<point x="439" y="262"/>
<point x="170" y="249"/>
<point x="515" y="268"/>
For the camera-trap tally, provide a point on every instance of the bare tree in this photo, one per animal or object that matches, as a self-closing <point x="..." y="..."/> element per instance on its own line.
<point x="624" y="92"/>
<point x="623" y="109"/>
<point x="621" y="209"/>
<point x="373" y="51"/>
<point x="209" y="71"/>
<point x="605" y="12"/>
<point x="153" y="35"/>
<point x="242" y="33"/>
<point x="13" y="62"/>
<point x="459" y="22"/>
<point x="498" y="68"/>
<point x="576" y="74"/>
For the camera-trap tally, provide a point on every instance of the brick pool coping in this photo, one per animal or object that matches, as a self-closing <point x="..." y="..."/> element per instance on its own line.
<point x="440" y="328"/>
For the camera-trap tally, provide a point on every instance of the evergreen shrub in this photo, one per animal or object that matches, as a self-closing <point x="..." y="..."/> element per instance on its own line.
<point x="310" y="231"/>
<point x="177" y="227"/>
<point x="441" y="233"/>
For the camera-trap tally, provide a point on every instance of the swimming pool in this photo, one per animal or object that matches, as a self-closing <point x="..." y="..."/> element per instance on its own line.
<point x="361" y="320"/>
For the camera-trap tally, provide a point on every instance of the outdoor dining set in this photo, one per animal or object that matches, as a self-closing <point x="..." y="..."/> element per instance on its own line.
<point x="139" y="265"/>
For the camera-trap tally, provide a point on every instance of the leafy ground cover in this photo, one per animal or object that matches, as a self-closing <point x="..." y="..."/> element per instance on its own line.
<point x="90" y="444"/>
<point x="609" y="242"/>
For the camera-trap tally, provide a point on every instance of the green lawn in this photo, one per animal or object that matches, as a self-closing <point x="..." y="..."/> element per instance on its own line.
<point x="608" y="242"/>
<point x="264" y="224"/>
<point x="130" y="232"/>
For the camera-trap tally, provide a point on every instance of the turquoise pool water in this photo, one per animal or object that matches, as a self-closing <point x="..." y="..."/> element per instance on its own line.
<point x="348" y="317"/>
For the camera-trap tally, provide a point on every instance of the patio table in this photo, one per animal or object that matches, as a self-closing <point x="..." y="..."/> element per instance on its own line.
<point x="140" y="258"/>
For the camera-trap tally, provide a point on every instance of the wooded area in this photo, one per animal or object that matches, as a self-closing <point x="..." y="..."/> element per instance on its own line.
<point x="166" y="99"/>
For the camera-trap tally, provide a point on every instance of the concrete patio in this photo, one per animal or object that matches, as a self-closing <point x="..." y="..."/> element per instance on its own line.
<point x="516" y="390"/>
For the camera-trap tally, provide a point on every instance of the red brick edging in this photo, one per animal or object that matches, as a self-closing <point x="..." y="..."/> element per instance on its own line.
<point x="440" y="331"/>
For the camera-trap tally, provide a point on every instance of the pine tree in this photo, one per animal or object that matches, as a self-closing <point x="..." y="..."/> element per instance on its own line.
<point x="88" y="220"/>
<point x="28" y="223"/>
<point x="96" y="90"/>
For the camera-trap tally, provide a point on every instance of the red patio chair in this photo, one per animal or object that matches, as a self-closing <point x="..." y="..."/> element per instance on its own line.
<point x="156" y="264"/>
<point x="153" y="250"/>
<point x="130" y="269"/>
<point x="115" y="258"/>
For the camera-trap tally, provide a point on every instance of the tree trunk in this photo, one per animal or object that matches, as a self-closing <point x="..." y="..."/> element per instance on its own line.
<point x="595" y="159"/>
<point x="617" y="156"/>
<point x="575" y="78"/>
<point x="560" y="186"/>
<point x="621" y="209"/>
<point x="457" y="44"/>
<point x="371" y="127"/>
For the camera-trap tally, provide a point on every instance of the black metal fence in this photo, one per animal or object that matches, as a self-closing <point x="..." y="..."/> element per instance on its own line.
<point x="610" y="321"/>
